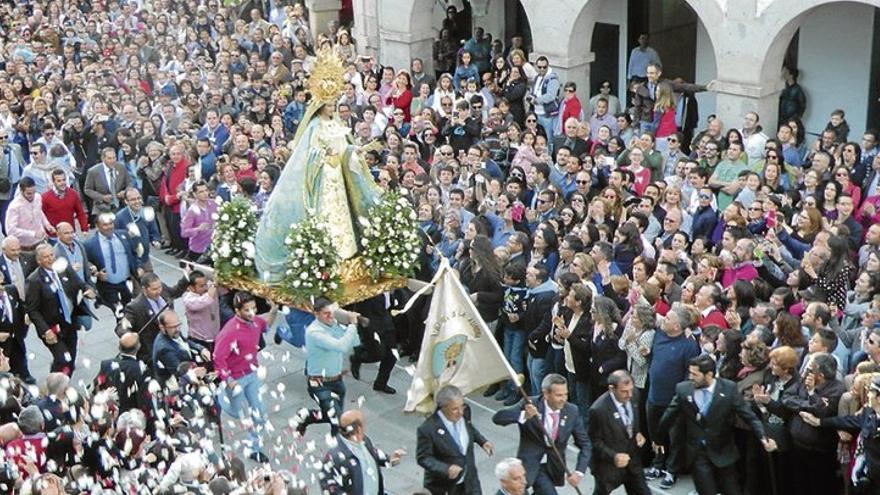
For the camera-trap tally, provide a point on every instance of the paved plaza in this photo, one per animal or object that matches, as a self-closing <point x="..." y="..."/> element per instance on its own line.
<point x="285" y="394"/>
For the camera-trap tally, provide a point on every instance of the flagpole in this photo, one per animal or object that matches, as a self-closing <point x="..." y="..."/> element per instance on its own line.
<point x="444" y="264"/>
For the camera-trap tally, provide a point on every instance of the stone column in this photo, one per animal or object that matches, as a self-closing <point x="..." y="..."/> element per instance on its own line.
<point x="735" y="99"/>
<point x="322" y="12"/>
<point x="366" y="26"/>
<point x="397" y="48"/>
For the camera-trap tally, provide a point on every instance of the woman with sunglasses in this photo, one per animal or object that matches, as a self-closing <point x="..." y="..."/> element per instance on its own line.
<point x="842" y="177"/>
<point x="578" y="202"/>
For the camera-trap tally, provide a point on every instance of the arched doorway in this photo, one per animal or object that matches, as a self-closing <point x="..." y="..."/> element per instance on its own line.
<point x="836" y="48"/>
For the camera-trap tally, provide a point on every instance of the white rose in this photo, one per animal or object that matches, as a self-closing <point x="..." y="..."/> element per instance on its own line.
<point x="235" y="262"/>
<point x="249" y="248"/>
<point x="296" y="283"/>
<point x="321" y="263"/>
<point x="225" y="217"/>
<point x="304" y="276"/>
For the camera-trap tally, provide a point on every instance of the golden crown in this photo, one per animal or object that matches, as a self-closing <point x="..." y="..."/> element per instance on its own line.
<point x="327" y="80"/>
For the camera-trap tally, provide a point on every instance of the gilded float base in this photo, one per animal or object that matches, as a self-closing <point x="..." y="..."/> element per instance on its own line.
<point x="356" y="284"/>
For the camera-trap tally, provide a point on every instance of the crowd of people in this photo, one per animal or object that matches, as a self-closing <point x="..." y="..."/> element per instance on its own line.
<point x="635" y="265"/>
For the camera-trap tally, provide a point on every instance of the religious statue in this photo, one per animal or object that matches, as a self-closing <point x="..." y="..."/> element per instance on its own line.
<point x="325" y="176"/>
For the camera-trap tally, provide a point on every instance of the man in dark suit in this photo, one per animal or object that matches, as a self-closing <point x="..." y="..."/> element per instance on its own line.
<point x="707" y="407"/>
<point x="554" y="417"/>
<point x="51" y="303"/>
<point x="445" y="446"/>
<point x="141" y="314"/>
<point x="113" y="254"/>
<point x="614" y="431"/>
<point x="127" y="374"/>
<point x="13" y="332"/>
<point x="377" y="340"/>
<point x="353" y="466"/>
<point x="170" y="349"/>
<point x="569" y="139"/>
<point x="15" y="265"/>
<point x="106" y="183"/>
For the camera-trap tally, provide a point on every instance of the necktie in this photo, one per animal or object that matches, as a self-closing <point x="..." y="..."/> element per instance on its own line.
<point x="628" y="419"/>
<point x="157" y="304"/>
<point x="704" y="399"/>
<point x="456" y="432"/>
<point x="62" y="298"/>
<point x="554" y="424"/>
<point x="112" y="254"/>
<point x="115" y="201"/>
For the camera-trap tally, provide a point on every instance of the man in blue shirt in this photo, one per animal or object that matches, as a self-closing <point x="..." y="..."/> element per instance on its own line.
<point x="639" y="59"/>
<point x="134" y="215"/>
<point x="327" y="344"/>
<point x="670" y="352"/>
<point x="114" y="257"/>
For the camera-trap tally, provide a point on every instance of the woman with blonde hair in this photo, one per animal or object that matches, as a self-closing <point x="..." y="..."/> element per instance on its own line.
<point x="664" y="116"/>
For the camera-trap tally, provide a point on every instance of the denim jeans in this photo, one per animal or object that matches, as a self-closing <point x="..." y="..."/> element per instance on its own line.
<point x="84" y="322"/>
<point x="548" y="123"/>
<point x="537" y="371"/>
<point x="330" y="397"/>
<point x="514" y="345"/>
<point x="232" y="403"/>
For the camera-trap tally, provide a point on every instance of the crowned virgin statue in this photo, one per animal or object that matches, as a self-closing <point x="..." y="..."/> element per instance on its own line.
<point x="325" y="176"/>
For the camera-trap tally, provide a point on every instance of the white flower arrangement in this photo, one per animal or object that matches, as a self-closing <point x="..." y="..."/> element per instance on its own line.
<point x="390" y="239"/>
<point x="232" y="246"/>
<point x="312" y="269"/>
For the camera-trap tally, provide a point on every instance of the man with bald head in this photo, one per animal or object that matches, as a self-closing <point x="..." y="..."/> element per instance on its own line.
<point x="71" y="249"/>
<point x="127" y="374"/>
<point x="352" y="467"/>
<point x="570" y="139"/>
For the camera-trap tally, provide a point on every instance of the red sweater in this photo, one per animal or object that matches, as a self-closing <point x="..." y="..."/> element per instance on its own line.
<point x="174" y="176"/>
<point x="402" y="102"/>
<point x="716" y="318"/>
<point x="68" y="208"/>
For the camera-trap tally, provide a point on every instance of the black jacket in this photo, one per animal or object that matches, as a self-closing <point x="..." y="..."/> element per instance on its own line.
<point x="823" y="404"/>
<point x="42" y="305"/>
<point x="130" y="378"/>
<point x="580" y="341"/>
<point x="715" y="429"/>
<point x="138" y="314"/>
<point x="341" y="473"/>
<point x="609" y="435"/>
<point x="489" y="292"/>
<point x="436" y="451"/>
<point x="537" y="321"/>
